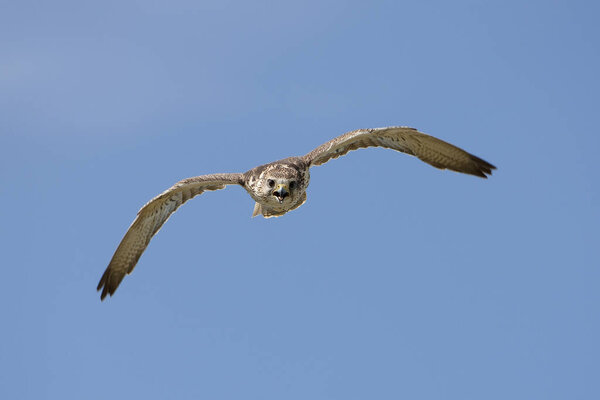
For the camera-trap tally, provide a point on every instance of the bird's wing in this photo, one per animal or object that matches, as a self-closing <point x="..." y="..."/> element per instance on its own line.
<point x="407" y="140"/>
<point x="149" y="220"/>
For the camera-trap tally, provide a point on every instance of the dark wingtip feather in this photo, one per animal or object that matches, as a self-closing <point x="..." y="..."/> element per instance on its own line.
<point x="102" y="285"/>
<point x="483" y="168"/>
<point x="109" y="283"/>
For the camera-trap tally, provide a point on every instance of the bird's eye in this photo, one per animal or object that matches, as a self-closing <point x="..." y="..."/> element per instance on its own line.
<point x="271" y="183"/>
<point x="292" y="184"/>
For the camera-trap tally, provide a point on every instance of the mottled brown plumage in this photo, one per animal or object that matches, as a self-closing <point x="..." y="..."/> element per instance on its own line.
<point x="280" y="186"/>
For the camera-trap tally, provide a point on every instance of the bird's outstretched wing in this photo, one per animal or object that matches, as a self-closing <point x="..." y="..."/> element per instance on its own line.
<point x="407" y="140"/>
<point x="149" y="220"/>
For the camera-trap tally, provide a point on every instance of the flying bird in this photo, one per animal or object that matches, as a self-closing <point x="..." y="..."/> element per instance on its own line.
<point x="280" y="186"/>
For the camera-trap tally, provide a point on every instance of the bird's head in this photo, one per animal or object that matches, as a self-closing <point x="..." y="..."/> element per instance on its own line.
<point x="280" y="186"/>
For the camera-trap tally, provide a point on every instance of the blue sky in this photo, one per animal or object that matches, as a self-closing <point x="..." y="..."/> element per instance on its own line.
<point x="425" y="285"/>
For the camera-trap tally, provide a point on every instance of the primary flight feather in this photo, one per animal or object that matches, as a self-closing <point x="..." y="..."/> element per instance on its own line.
<point x="280" y="186"/>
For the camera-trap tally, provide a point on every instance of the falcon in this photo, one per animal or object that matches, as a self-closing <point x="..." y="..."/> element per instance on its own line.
<point x="280" y="186"/>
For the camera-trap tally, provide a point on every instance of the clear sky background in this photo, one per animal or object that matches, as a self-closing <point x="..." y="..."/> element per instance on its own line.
<point x="395" y="280"/>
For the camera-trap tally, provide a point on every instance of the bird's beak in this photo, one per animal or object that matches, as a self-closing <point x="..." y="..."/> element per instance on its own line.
<point x="281" y="191"/>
